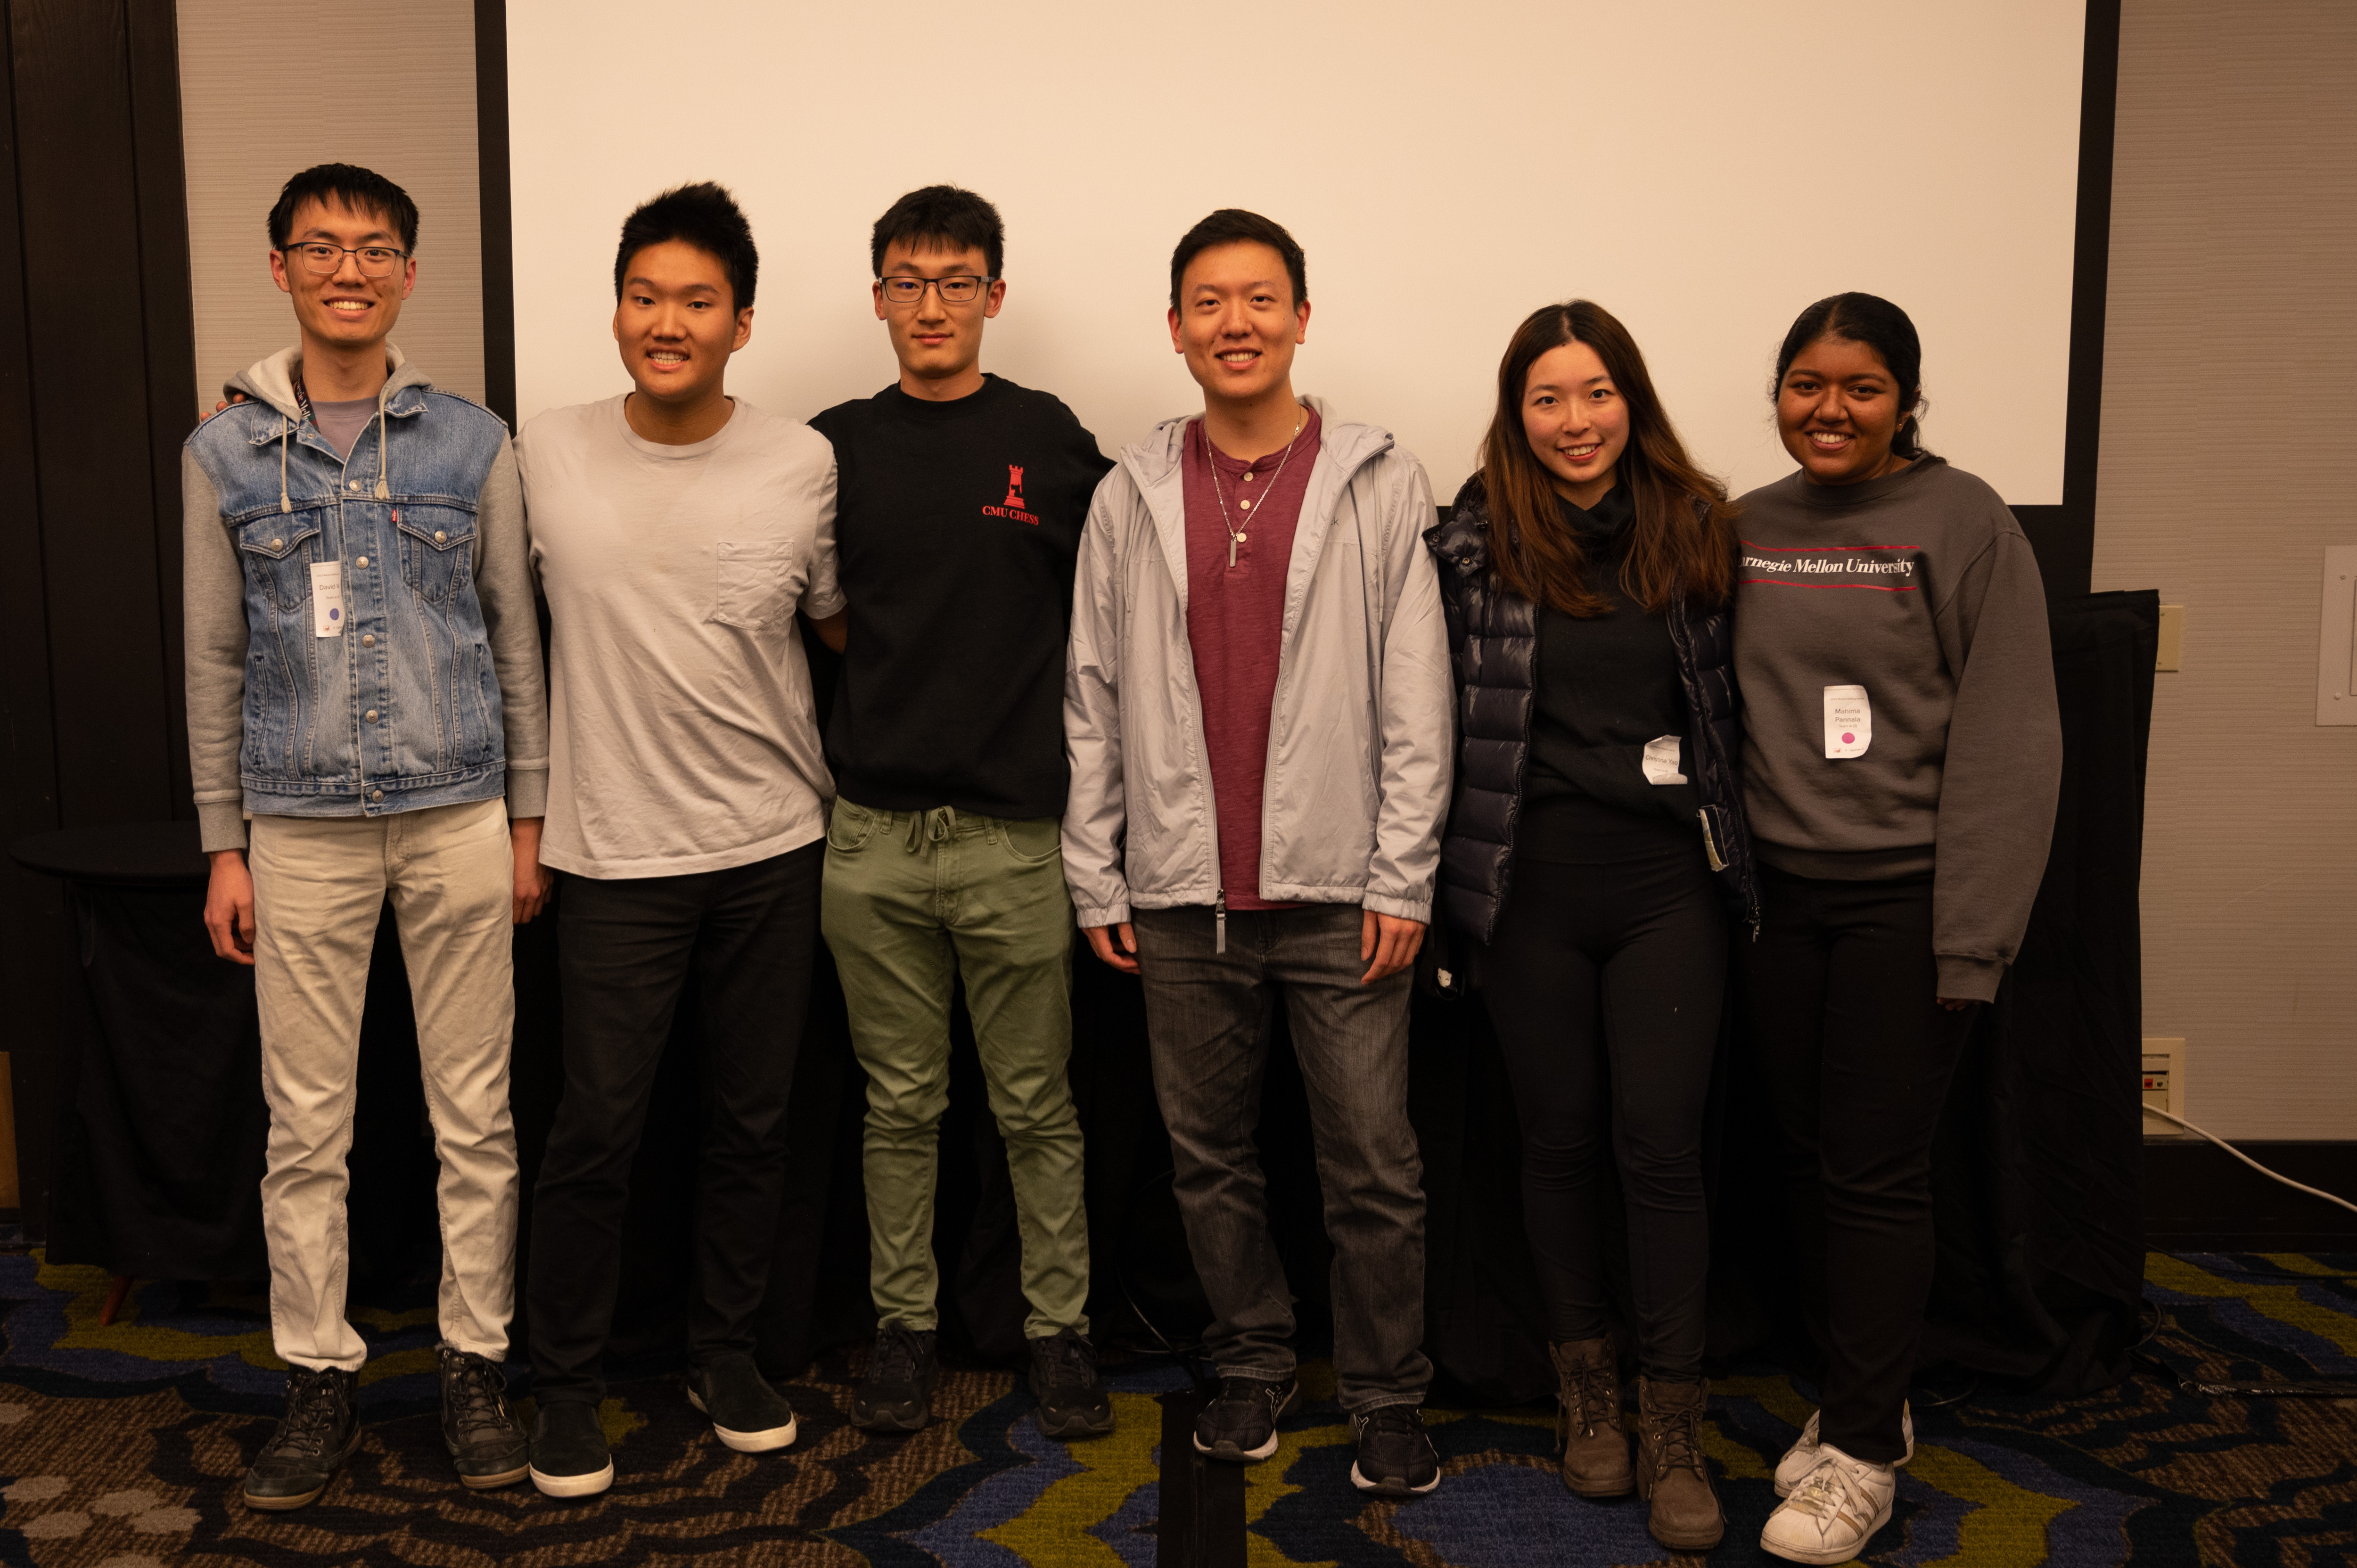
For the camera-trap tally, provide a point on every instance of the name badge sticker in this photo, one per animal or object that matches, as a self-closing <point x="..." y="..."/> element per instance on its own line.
<point x="1661" y="762"/>
<point x="327" y="598"/>
<point x="1849" y="721"/>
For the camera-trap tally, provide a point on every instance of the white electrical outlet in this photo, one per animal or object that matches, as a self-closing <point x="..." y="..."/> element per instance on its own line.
<point x="2163" y="1081"/>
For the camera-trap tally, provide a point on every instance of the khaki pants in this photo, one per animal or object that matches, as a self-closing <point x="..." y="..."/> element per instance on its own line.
<point x="318" y="885"/>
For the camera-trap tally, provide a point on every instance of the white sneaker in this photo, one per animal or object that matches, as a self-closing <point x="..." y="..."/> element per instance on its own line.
<point x="1835" y="1510"/>
<point x="1802" y="1457"/>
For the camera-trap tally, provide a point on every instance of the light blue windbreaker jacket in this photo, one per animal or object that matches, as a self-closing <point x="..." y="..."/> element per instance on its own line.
<point x="431" y="693"/>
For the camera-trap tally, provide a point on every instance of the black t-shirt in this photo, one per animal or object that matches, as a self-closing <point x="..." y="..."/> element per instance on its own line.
<point x="956" y="527"/>
<point x="1607" y="685"/>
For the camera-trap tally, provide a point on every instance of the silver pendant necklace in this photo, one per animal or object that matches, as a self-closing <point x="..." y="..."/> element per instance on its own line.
<point x="1236" y="534"/>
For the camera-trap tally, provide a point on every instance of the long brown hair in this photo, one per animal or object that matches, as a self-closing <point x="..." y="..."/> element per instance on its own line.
<point x="1675" y="547"/>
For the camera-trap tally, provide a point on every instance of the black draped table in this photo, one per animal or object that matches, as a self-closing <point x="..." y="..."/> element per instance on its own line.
<point x="2038" y="1171"/>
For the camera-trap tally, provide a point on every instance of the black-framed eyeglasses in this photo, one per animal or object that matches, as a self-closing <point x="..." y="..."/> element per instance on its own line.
<point x="962" y="289"/>
<point x="375" y="261"/>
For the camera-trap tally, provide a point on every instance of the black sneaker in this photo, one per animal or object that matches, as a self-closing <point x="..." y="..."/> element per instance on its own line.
<point x="485" y="1443"/>
<point x="897" y="1393"/>
<point x="747" y="1414"/>
<point x="318" y="1433"/>
<point x="1396" y="1458"/>
<point x="1072" y="1401"/>
<point x="569" y="1457"/>
<point x="1240" y="1424"/>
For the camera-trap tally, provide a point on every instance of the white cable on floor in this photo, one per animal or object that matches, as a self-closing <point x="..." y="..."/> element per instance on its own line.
<point x="2275" y="1176"/>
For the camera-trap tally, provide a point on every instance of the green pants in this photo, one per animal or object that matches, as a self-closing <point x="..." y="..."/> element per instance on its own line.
<point x="913" y="901"/>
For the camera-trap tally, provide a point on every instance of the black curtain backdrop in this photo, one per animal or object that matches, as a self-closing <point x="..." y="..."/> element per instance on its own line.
<point x="2037" y="1174"/>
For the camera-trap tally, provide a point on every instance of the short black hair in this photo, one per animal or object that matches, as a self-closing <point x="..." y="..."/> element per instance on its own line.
<point x="347" y="184"/>
<point x="1235" y="226"/>
<point x="702" y="215"/>
<point x="942" y="217"/>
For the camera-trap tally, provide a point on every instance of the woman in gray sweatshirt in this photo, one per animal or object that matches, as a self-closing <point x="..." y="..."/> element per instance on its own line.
<point x="1901" y="758"/>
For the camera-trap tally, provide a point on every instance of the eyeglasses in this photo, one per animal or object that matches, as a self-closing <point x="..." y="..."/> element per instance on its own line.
<point x="375" y="261"/>
<point x="962" y="289"/>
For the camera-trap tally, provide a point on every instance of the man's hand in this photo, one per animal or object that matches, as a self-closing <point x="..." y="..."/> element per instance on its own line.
<point x="228" y="906"/>
<point x="1101" y="943"/>
<point x="532" y="882"/>
<point x="1390" y="941"/>
<point x="234" y="397"/>
<point x="834" y="631"/>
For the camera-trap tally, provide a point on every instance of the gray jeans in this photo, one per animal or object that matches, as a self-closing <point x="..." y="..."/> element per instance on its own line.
<point x="1208" y="1014"/>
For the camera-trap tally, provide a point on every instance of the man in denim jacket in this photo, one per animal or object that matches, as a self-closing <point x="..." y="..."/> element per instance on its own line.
<point x="364" y="685"/>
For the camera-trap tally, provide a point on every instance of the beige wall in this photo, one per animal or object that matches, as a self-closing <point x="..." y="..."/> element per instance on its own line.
<point x="256" y="106"/>
<point x="2228" y="463"/>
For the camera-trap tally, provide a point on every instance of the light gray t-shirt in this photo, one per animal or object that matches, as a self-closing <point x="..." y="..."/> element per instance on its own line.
<point x="682" y="735"/>
<point x="342" y="420"/>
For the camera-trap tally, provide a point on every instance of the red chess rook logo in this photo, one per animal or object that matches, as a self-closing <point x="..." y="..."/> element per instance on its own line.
<point x="1014" y="501"/>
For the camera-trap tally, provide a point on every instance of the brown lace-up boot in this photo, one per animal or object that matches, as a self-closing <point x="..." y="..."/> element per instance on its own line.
<point x="1595" y="1448"/>
<point x="1672" y="1475"/>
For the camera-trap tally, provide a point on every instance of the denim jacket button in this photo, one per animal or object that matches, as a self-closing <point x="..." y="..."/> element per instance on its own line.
<point x="376" y="794"/>
<point x="351" y="484"/>
<point x="278" y="544"/>
<point x="440" y="537"/>
<point x="368" y="640"/>
<point x="370" y="715"/>
<point x="363" y="561"/>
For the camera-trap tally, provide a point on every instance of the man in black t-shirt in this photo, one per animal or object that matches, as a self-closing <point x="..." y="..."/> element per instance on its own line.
<point x="960" y="499"/>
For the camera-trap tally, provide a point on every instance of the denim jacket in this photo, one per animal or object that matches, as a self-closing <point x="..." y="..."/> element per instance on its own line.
<point x="428" y="690"/>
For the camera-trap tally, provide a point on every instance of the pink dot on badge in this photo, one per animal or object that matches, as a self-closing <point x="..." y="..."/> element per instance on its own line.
<point x="1848" y="739"/>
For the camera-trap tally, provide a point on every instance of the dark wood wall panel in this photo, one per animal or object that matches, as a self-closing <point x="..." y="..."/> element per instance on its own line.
<point x="31" y="923"/>
<point x="97" y="387"/>
<point x="79" y="191"/>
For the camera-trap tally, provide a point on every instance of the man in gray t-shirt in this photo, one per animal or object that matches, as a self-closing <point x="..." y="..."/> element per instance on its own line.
<point x="676" y="532"/>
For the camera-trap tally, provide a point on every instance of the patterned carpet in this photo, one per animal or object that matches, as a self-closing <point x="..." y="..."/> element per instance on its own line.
<point x="122" y="1446"/>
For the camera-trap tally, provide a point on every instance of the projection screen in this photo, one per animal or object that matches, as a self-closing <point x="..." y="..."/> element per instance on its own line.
<point x="1702" y="169"/>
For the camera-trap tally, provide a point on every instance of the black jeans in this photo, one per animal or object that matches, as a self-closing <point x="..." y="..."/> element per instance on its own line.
<point x="625" y="947"/>
<point x="1856" y="1056"/>
<point x="1207" y="1017"/>
<point x="1605" y="983"/>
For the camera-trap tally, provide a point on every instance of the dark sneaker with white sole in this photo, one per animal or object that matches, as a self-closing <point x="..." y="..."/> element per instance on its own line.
<point x="897" y="1394"/>
<point x="569" y="1457"/>
<point x="486" y="1444"/>
<point x="1240" y="1425"/>
<point x="747" y="1414"/>
<point x="1072" y="1399"/>
<point x="1395" y="1457"/>
<point x="318" y="1433"/>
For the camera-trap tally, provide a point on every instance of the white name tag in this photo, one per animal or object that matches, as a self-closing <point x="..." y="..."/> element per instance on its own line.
<point x="1849" y="721"/>
<point x="327" y="598"/>
<point x="1662" y="761"/>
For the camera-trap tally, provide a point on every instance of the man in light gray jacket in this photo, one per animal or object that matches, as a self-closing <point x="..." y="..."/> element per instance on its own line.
<point x="1258" y="708"/>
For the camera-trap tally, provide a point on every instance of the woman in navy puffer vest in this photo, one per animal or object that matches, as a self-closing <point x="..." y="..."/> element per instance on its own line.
<point x="1595" y="849"/>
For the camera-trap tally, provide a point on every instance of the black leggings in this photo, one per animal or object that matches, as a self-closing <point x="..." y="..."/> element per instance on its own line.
<point x="1606" y="981"/>
<point x="1855" y="1057"/>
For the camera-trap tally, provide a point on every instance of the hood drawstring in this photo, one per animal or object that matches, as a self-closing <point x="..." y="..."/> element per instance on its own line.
<point x="382" y="493"/>
<point x="285" y="432"/>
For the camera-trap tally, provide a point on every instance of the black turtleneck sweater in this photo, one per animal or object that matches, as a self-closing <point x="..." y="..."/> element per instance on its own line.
<point x="1607" y="685"/>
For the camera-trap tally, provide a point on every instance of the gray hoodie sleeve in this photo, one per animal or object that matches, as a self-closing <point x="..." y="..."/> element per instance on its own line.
<point x="503" y="587"/>
<point x="212" y="600"/>
<point x="1096" y="811"/>
<point x="1414" y="707"/>
<point x="2003" y="772"/>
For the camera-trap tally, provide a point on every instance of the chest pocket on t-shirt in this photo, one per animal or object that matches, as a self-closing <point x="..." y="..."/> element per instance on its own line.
<point x="753" y="585"/>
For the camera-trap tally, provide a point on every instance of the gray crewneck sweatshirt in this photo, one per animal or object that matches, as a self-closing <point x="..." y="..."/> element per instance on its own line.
<point x="1899" y="699"/>
<point x="213" y="600"/>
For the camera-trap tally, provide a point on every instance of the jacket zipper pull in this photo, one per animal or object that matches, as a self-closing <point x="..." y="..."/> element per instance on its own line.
<point x="1710" y="847"/>
<point x="1219" y="921"/>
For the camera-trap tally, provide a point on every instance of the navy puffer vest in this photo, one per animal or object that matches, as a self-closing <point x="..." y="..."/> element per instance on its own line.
<point x="1493" y="645"/>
